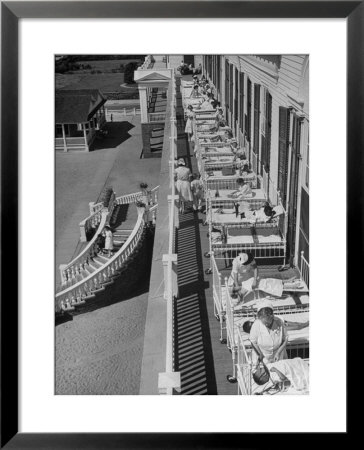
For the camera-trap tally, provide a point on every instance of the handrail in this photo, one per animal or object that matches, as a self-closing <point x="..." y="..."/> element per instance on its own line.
<point x="94" y="280"/>
<point x="91" y="221"/>
<point x="169" y="295"/>
<point x="244" y="367"/>
<point x="305" y="270"/>
<point x="70" y="270"/>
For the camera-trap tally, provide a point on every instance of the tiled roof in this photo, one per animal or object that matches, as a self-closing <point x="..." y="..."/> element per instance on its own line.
<point x="77" y="105"/>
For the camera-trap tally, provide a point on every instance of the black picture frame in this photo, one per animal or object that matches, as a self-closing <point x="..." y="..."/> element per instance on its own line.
<point x="11" y="12"/>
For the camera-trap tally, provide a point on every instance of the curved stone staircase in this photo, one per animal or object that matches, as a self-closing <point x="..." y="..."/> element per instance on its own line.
<point x="91" y="272"/>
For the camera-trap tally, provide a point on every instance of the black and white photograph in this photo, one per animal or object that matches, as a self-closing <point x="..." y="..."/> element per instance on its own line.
<point x="182" y="224"/>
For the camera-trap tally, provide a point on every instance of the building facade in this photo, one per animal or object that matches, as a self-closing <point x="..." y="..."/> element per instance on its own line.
<point x="79" y="113"/>
<point x="266" y="102"/>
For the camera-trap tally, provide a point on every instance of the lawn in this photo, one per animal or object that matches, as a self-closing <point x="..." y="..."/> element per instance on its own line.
<point x="107" y="65"/>
<point x="105" y="81"/>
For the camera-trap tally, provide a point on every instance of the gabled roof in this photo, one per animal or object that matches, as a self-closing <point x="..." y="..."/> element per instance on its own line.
<point x="77" y="105"/>
<point x="152" y="75"/>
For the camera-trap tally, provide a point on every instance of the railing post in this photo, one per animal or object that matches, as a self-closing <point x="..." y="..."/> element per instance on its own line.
<point x="61" y="269"/>
<point x="83" y="231"/>
<point x="91" y="207"/>
<point x="174" y="198"/>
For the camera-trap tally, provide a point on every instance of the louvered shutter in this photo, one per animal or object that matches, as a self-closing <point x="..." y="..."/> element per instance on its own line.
<point x="236" y="103"/>
<point x="293" y="187"/>
<point x="241" y="90"/>
<point x="219" y="73"/>
<point x="227" y="85"/>
<point x="256" y="119"/>
<point x="283" y="136"/>
<point x="248" y="117"/>
<point x="231" y="89"/>
<point x="267" y="132"/>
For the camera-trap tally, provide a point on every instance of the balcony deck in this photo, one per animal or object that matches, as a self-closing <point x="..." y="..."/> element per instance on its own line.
<point x="203" y="361"/>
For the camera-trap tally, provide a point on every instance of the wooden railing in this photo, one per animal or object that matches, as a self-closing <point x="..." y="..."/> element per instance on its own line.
<point x="78" y="293"/>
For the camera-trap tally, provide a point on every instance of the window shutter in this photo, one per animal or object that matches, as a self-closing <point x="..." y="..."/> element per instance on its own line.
<point x="231" y="101"/>
<point x="256" y="118"/>
<point x="267" y="132"/>
<point x="241" y="101"/>
<point x="248" y="124"/>
<point x="236" y="103"/>
<point x="219" y="73"/>
<point x="227" y="85"/>
<point x="283" y="136"/>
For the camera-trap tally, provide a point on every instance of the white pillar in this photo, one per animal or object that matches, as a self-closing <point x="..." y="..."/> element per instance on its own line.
<point x="85" y="137"/>
<point x="143" y="104"/>
<point x="64" y="139"/>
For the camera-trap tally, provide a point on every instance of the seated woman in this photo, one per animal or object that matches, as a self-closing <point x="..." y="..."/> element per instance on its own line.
<point x="195" y="92"/>
<point x="244" y="189"/>
<point x="237" y="150"/>
<point x="219" y="118"/>
<point x="228" y="135"/>
<point x="206" y="105"/>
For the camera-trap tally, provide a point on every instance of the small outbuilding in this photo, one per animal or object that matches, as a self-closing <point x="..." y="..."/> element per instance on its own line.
<point x="79" y="113"/>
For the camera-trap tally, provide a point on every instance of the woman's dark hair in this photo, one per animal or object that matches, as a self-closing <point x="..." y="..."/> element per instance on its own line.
<point x="268" y="210"/>
<point x="249" y="260"/>
<point x="195" y="86"/>
<point x="240" y="181"/>
<point x="265" y="312"/>
<point x="247" y="326"/>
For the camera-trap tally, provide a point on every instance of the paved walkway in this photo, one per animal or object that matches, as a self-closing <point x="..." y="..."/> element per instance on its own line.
<point x="99" y="352"/>
<point x="80" y="178"/>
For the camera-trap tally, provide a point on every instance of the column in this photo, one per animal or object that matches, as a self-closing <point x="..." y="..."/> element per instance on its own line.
<point x="85" y="137"/>
<point x="64" y="139"/>
<point x="143" y="104"/>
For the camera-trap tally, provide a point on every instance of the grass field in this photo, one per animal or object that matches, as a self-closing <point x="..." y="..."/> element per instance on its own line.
<point x="108" y="65"/>
<point x="105" y="81"/>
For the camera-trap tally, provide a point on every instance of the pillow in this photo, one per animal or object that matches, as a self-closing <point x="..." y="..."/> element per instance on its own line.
<point x="278" y="210"/>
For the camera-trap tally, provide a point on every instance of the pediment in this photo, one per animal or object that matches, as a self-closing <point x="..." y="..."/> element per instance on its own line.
<point x="149" y="75"/>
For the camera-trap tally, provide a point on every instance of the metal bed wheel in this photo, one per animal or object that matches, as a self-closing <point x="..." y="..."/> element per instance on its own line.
<point x="208" y="271"/>
<point x="207" y="255"/>
<point x="223" y="341"/>
<point x="231" y="379"/>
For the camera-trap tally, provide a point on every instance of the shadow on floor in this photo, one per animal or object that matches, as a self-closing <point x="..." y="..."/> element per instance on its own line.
<point x="117" y="133"/>
<point x="193" y="351"/>
<point x="133" y="282"/>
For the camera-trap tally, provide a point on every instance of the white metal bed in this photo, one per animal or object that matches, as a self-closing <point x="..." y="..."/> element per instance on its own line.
<point x="247" y="309"/>
<point x="245" y="367"/>
<point x="234" y="323"/>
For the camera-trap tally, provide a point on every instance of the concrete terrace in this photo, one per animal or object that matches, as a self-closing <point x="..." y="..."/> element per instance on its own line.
<point x="99" y="352"/>
<point x="80" y="178"/>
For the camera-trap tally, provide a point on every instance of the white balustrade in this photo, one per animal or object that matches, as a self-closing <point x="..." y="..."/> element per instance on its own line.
<point x="77" y="293"/>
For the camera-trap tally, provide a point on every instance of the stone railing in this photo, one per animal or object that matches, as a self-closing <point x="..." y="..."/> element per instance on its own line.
<point x="87" y="287"/>
<point x="91" y="222"/>
<point x="101" y="217"/>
